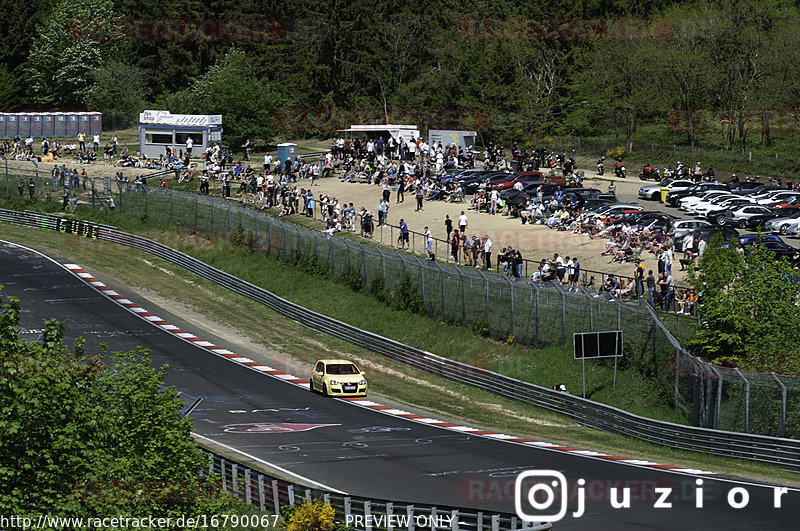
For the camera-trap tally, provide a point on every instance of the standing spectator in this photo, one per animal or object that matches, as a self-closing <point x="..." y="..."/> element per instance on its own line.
<point x="454" y="246"/>
<point x="403" y="235"/>
<point x="466" y="245"/>
<point x="487" y="252"/>
<point x="638" y="277"/>
<point x="21" y="188"/>
<point x="82" y="142"/>
<point x="111" y="204"/>
<point x="560" y="266"/>
<point x="246" y="147"/>
<point x="114" y="143"/>
<point x="31" y="188"/>
<point x="95" y="142"/>
<point x="518" y="263"/>
<point x="267" y="162"/>
<point x="495" y="201"/>
<point x="576" y="273"/>
<point x="667" y="291"/>
<point x="476" y="250"/>
<point x="401" y="190"/>
<point x="189" y="145"/>
<point x="651" y="288"/>
<point x="428" y="240"/>
<point x="448" y="225"/>
<point x="382" y="212"/>
<point x="420" y="197"/>
<point x="462" y="222"/>
<point x="65" y="199"/>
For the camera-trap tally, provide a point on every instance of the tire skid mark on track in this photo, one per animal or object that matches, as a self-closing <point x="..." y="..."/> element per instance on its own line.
<point x="361" y="402"/>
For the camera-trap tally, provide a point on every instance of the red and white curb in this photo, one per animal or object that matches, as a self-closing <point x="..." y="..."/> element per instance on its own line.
<point x="300" y="382"/>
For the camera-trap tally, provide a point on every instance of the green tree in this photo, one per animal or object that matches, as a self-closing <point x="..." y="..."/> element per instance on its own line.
<point x="749" y="313"/>
<point x="118" y="91"/>
<point x="246" y="103"/>
<point x="85" y="436"/>
<point x="66" y="51"/>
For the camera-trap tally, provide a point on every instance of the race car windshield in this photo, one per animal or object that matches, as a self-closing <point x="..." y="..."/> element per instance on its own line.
<point x="342" y="368"/>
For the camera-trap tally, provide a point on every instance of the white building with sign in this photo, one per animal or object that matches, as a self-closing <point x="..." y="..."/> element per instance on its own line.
<point x="161" y="130"/>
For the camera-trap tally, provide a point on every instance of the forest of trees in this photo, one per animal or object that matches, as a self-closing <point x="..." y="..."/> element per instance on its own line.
<point x="669" y="58"/>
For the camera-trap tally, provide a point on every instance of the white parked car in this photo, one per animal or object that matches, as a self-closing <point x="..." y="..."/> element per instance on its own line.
<point x="781" y="224"/>
<point x="653" y="191"/>
<point x="682" y="226"/>
<point x="739" y="215"/>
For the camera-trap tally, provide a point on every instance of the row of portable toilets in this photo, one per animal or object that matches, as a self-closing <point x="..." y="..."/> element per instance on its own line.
<point x="50" y="124"/>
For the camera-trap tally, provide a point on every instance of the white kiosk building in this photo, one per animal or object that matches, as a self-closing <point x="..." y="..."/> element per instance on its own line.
<point x="159" y="130"/>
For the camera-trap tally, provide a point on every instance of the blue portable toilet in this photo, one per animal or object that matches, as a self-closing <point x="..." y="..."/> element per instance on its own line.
<point x="286" y="151"/>
<point x="3" y="129"/>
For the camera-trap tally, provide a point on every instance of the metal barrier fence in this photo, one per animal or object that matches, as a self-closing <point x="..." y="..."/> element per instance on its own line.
<point x="537" y="314"/>
<point x="689" y="374"/>
<point x="270" y="494"/>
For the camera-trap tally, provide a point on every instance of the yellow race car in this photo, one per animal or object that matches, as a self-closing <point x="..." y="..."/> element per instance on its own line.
<point x="338" y="378"/>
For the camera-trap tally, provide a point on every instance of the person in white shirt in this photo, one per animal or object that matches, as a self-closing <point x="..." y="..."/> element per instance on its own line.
<point x="462" y="222"/>
<point x="495" y="200"/>
<point x="428" y="240"/>
<point x="487" y="252"/>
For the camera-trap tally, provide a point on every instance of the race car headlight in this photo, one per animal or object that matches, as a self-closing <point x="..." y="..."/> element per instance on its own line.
<point x="334" y="382"/>
<point x="362" y="382"/>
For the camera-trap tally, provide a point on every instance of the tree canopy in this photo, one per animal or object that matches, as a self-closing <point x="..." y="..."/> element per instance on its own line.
<point x="89" y="436"/>
<point x="749" y="312"/>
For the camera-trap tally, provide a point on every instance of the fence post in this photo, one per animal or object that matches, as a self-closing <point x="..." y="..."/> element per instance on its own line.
<point x="389" y="514"/>
<point x="538" y="291"/>
<point x="262" y="495"/>
<point x="290" y="492"/>
<point x="719" y="395"/>
<point x="783" y="403"/>
<point x="463" y="297"/>
<point x="746" y="400"/>
<point x="441" y="272"/>
<point x="677" y="373"/>
<point x="248" y="488"/>
<point x="511" y="308"/>
<point x="222" y="473"/>
<point x="368" y="515"/>
<point x="347" y="508"/>
<point x="563" y="317"/>
<point x="276" y="499"/>
<point x="195" y="213"/>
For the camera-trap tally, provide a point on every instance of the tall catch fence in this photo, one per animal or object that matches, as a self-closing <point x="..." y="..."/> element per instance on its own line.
<point x="542" y="315"/>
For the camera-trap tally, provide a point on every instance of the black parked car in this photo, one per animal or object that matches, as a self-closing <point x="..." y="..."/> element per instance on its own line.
<point x="780" y="248"/>
<point x="729" y="234"/>
<point x="674" y="197"/>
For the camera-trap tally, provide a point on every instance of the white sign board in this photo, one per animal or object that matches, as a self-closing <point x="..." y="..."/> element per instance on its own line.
<point x="166" y="118"/>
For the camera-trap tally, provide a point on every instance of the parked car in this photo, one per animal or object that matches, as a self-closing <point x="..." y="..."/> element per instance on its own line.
<point x="782" y="224"/>
<point x="653" y="191"/>
<point x="779" y="248"/>
<point x="676" y="195"/>
<point x="756" y="222"/>
<point x="739" y="215"/>
<point x="338" y="378"/>
<point x="729" y="235"/>
<point x="682" y="226"/>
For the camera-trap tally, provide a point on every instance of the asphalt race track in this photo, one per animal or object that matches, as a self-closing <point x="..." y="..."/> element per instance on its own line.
<point x="365" y="452"/>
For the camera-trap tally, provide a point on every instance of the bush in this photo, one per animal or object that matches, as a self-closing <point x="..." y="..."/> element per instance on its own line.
<point x="352" y="278"/>
<point x="243" y="240"/>
<point x="317" y="516"/>
<point x="480" y="328"/>
<point x="616" y="152"/>
<point x="405" y="297"/>
<point x="376" y="288"/>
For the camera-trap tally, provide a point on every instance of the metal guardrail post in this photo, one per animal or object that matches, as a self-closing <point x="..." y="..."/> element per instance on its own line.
<point x="719" y="396"/>
<point x="368" y="515"/>
<point x="222" y="473"/>
<point x="262" y="495"/>
<point x="410" y="514"/>
<point x="746" y="400"/>
<point x="276" y="498"/>
<point x="783" y="403"/>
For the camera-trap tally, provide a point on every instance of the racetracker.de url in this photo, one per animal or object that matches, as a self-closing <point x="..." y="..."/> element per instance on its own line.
<point x="215" y="521"/>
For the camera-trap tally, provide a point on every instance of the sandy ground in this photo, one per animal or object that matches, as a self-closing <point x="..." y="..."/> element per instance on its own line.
<point x="535" y="242"/>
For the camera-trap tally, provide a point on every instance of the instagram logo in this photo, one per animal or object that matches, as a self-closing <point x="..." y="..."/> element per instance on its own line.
<point x="537" y="493"/>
